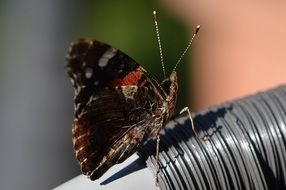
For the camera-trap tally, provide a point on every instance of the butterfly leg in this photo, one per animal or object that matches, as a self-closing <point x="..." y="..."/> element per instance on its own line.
<point x="186" y="109"/>
<point x="157" y="159"/>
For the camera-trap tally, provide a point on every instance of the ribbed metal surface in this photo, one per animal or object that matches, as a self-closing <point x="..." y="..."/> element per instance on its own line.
<point x="244" y="146"/>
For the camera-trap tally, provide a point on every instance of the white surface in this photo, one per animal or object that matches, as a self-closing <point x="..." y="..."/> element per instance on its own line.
<point x="140" y="179"/>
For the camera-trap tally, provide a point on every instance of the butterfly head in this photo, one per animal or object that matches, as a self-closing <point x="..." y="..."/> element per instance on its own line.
<point x="170" y="86"/>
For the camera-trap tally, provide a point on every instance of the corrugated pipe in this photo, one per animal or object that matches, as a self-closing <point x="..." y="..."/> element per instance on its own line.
<point x="243" y="146"/>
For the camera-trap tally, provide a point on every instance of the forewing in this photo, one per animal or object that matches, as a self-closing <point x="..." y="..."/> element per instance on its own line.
<point x="92" y="65"/>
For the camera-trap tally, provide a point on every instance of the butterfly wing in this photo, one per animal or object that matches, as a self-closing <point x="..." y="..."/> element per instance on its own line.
<point x="117" y="105"/>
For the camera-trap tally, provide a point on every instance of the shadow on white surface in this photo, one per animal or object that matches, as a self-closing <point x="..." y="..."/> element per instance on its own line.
<point x="131" y="174"/>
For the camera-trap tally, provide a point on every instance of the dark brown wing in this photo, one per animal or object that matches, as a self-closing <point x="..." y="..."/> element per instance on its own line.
<point x="117" y="105"/>
<point x="110" y="129"/>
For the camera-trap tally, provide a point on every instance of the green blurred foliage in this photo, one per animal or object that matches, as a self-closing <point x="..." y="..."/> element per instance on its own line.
<point x="128" y="25"/>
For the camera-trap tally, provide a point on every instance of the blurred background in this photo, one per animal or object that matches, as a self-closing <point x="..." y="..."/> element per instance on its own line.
<point x="240" y="50"/>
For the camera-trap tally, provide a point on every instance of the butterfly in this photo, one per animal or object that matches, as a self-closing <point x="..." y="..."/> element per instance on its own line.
<point x="118" y="105"/>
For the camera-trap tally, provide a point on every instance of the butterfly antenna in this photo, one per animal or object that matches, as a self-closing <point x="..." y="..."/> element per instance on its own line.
<point x="188" y="46"/>
<point x="159" y="42"/>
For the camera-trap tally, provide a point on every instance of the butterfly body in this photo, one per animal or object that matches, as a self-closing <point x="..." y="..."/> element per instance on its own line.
<point x="118" y="105"/>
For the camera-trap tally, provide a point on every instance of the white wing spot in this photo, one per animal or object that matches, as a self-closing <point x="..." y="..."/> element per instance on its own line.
<point x="90" y="42"/>
<point x="88" y="72"/>
<point x="106" y="57"/>
<point x="72" y="81"/>
<point x="69" y="50"/>
<point x="129" y="91"/>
